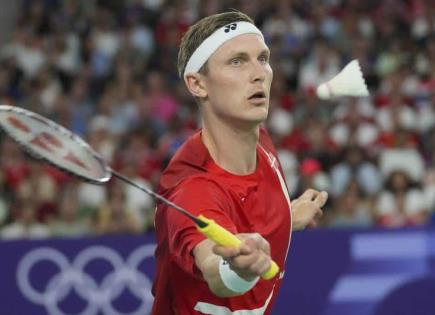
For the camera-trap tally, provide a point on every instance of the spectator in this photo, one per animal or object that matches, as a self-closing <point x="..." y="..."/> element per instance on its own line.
<point x="320" y="66"/>
<point x="312" y="176"/>
<point x="24" y="224"/>
<point x="402" y="156"/>
<point x="27" y="51"/>
<point x="351" y="210"/>
<point x="68" y="223"/>
<point x="100" y="138"/>
<point x="401" y="204"/>
<point x="140" y="205"/>
<point x="355" y="167"/>
<point x="41" y="188"/>
<point x="113" y="217"/>
<point x="163" y="106"/>
<point x="354" y="124"/>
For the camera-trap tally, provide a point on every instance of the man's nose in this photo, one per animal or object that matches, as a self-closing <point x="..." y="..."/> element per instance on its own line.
<point x="258" y="72"/>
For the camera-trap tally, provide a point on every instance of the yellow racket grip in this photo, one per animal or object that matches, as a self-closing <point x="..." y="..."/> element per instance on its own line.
<point x="223" y="237"/>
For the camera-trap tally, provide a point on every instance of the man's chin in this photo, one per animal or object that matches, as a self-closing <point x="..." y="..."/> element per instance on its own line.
<point x="250" y="118"/>
<point x="260" y="114"/>
<point x="256" y="119"/>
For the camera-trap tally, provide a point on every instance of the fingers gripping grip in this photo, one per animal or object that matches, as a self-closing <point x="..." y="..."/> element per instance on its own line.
<point x="223" y="237"/>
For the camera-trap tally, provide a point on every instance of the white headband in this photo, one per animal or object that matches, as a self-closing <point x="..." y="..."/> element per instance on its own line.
<point x="215" y="40"/>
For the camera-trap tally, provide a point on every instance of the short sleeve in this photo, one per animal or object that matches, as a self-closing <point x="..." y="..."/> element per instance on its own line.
<point x="198" y="196"/>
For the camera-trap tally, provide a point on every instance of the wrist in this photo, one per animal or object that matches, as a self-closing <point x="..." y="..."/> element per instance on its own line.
<point x="232" y="280"/>
<point x="297" y="223"/>
<point x="297" y="226"/>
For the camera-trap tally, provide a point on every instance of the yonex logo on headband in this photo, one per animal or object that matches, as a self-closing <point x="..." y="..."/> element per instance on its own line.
<point x="231" y="27"/>
<point x="215" y="40"/>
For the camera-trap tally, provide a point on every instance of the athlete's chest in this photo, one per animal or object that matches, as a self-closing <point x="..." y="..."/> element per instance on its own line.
<point x="261" y="204"/>
<point x="264" y="208"/>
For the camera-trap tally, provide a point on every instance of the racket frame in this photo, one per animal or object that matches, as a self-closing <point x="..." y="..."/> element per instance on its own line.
<point x="65" y="132"/>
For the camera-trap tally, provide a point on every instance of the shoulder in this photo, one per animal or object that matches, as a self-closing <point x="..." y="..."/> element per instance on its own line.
<point x="202" y="188"/>
<point x="189" y="161"/>
<point x="198" y="195"/>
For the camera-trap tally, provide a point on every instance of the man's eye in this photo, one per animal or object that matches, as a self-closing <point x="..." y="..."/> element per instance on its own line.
<point x="263" y="59"/>
<point x="236" y="62"/>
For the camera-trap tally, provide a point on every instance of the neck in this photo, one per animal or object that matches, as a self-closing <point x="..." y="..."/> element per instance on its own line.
<point x="233" y="149"/>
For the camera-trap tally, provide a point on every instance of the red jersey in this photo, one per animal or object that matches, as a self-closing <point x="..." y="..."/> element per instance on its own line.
<point x="257" y="202"/>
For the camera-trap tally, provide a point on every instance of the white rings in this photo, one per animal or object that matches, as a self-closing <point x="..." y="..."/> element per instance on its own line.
<point x="97" y="295"/>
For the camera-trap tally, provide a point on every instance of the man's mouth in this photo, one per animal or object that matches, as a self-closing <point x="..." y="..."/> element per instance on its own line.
<point x="257" y="95"/>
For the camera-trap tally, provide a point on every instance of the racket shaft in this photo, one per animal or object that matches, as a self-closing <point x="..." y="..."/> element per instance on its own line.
<point x="223" y="237"/>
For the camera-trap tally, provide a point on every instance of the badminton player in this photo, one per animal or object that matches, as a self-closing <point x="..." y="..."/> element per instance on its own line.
<point x="229" y="172"/>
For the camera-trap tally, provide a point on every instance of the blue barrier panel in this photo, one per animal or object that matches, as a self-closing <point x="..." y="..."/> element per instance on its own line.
<point x="372" y="272"/>
<point x="108" y="275"/>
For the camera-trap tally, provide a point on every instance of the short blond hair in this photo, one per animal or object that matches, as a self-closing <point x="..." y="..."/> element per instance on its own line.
<point x="202" y="29"/>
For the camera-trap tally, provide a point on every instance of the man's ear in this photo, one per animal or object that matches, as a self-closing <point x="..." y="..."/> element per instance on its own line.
<point x="195" y="85"/>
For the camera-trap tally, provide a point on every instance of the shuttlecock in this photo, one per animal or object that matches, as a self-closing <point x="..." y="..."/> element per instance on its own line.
<point x="349" y="82"/>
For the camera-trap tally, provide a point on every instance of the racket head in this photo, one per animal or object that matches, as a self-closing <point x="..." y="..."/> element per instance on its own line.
<point x="46" y="140"/>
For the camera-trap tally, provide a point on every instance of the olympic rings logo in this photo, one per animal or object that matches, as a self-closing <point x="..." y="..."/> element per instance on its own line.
<point x="72" y="276"/>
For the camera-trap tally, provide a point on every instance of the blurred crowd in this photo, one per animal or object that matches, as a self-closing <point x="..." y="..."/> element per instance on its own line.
<point x="107" y="71"/>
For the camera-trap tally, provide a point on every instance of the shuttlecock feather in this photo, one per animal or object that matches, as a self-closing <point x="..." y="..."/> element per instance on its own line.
<point x="349" y="82"/>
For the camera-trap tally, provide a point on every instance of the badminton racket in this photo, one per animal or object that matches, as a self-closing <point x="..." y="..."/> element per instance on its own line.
<point x="46" y="140"/>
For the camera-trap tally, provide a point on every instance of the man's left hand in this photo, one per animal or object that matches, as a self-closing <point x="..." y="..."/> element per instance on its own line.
<point x="306" y="210"/>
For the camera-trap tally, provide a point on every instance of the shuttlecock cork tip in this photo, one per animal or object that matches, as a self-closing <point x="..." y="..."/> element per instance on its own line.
<point x="324" y="91"/>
